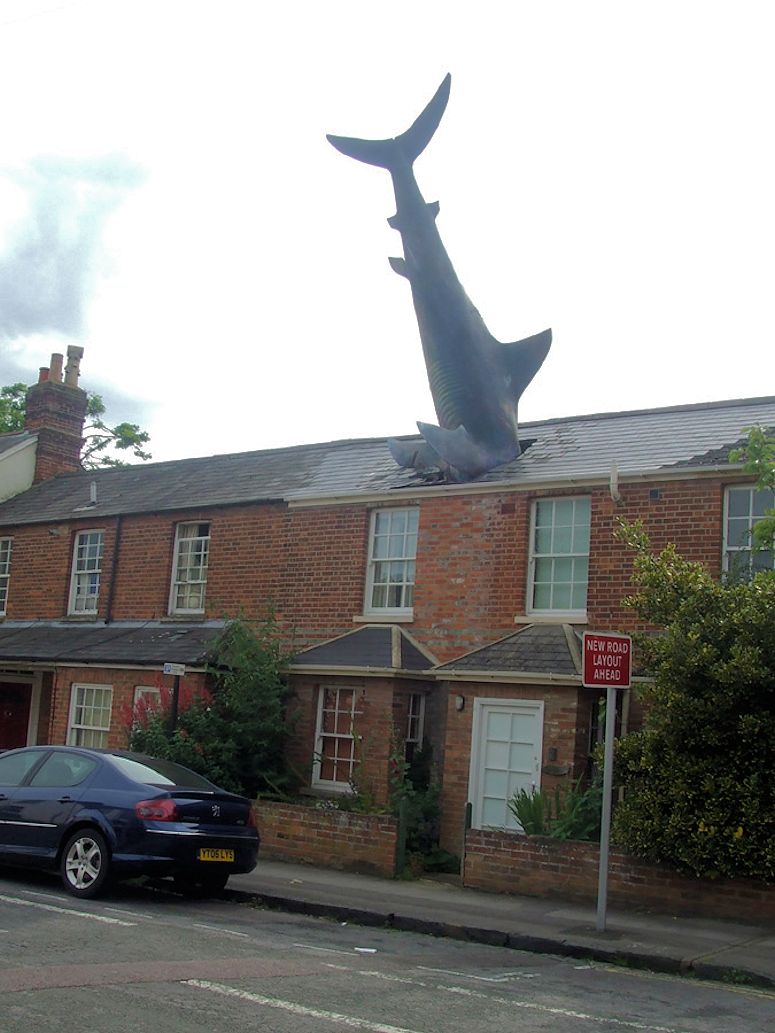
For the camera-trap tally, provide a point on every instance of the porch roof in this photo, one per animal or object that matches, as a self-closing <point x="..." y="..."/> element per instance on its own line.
<point x="545" y="649"/>
<point x="375" y="646"/>
<point x="147" y="643"/>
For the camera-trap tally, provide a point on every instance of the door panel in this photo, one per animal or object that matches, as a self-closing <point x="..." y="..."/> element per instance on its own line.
<point x="39" y="812"/>
<point x="506" y="750"/>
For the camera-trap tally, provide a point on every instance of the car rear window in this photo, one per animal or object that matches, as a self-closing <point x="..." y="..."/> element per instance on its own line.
<point x="63" y="770"/>
<point x="157" y="772"/>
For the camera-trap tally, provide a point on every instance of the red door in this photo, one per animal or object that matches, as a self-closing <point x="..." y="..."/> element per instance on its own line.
<point x="14" y="714"/>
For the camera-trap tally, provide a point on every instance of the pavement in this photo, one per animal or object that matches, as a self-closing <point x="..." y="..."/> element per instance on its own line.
<point x="718" y="949"/>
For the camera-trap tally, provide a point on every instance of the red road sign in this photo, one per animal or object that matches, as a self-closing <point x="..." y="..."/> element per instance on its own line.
<point x="607" y="660"/>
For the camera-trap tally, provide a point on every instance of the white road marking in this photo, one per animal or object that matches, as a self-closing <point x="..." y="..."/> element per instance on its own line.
<point x="297" y="1009"/>
<point x="65" y="911"/>
<point x="387" y="978"/>
<point x="219" y="929"/>
<point x="134" y="914"/>
<point x="504" y="977"/>
<point x="325" y="950"/>
<point x="565" y="1012"/>
<point x="46" y="896"/>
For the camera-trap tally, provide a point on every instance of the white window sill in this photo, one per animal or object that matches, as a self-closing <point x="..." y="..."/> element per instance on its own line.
<point x="557" y="617"/>
<point x="331" y="788"/>
<point x="383" y="618"/>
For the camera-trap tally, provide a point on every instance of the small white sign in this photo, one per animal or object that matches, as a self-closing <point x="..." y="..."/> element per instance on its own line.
<point x="174" y="668"/>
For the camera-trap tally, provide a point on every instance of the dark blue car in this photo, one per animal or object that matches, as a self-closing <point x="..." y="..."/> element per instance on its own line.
<point x="95" y="814"/>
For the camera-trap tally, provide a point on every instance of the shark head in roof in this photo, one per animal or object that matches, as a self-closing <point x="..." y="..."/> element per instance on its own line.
<point x="476" y="381"/>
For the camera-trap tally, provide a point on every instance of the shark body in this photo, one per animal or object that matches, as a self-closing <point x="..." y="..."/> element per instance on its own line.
<point x="475" y="380"/>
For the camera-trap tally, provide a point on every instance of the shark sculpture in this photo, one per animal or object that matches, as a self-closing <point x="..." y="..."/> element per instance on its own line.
<point x="475" y="380"/>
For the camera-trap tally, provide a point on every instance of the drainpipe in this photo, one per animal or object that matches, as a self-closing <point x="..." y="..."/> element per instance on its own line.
<point x="113" y="570"/>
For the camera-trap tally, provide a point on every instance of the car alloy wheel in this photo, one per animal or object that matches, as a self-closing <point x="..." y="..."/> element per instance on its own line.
<point x="85" y="863"/>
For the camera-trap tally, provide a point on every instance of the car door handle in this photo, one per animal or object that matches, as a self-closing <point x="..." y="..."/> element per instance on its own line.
<point x="65" y="799"/>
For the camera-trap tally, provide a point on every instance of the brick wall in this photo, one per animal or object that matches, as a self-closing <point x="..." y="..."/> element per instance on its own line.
<point x="363" y="843"/>
<point x="123" y="683"/>
<point x="374" y="723"/>
<point x="506" y="862"/>
<point x="310" y="564"/>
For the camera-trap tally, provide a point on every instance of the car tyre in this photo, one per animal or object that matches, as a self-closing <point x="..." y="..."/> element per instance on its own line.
<point x="85" y="863"/>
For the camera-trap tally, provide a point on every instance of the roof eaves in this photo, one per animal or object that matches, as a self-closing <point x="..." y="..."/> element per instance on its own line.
<point x="359" y="672"/>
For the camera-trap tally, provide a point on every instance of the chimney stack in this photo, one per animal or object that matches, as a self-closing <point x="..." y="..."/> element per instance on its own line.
<point x="56" y="412"/>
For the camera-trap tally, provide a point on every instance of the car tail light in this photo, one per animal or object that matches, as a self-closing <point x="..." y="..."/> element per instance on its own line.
<point x="252" y="823"/>
<point x="163" y="809"/>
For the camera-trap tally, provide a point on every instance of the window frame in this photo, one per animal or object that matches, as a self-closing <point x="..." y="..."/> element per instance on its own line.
<point x="175" y="583"/>
<point x="727" y="550"/>
<point x="74" y="728"/>
<point x="369" y="609"/>
<point x="331" y="785"/>
<point x="76" y="574"/>
<point x="6" y="545"/>
<point x="542" y="612"/>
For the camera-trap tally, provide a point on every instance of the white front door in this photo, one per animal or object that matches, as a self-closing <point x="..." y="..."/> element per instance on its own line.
<point x="506" y="749"/>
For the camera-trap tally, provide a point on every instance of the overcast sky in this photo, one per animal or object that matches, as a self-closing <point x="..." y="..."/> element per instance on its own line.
<point x="169" y="201"/>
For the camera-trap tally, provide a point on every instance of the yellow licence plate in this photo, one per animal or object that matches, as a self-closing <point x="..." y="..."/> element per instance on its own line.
<point x="209" y="854"/>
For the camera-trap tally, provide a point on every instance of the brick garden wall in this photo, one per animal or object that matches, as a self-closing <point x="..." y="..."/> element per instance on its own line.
<point x="364" y="843"/>
<point x="506" y="862"/>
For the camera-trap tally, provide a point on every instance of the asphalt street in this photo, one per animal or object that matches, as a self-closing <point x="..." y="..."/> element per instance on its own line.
<point x="145" y="960"/>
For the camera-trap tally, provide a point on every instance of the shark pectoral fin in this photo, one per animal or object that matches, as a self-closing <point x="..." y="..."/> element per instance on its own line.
<point x="522" y="359"/>
<point x="461" y="456"/>
<point x="413" y="455"/>
<point x="398" y="265"/>
<point x="434" y="208"/>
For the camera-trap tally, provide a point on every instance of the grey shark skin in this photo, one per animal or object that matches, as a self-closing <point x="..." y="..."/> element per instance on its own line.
<point x="475" y="380"/>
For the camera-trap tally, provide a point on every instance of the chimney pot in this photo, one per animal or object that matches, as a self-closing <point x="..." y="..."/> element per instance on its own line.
<point x="43" y="374"/>
<point x="55" y="371"/>
<point x="74" y="356"/>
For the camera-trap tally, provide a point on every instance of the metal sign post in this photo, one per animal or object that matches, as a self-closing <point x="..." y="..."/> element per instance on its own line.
<point x="607" y="661"/>
<point x="176" y="670"/>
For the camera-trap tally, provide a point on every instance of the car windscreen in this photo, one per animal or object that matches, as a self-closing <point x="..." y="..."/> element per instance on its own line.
<point x="155" y="772"/>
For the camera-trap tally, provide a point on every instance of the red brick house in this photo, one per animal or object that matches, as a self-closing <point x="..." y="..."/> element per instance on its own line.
<point x="415" y="608"/>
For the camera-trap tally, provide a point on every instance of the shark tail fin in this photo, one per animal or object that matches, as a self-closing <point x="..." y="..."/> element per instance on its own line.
<point x="408" y="146"/>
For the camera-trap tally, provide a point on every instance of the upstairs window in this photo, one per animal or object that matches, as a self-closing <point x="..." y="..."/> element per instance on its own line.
<point x="744" y="507"/>
<point x="189" y="573"/>
<point x="559" y="557"/>
<point x="392" y="552"/>
<point x="5" y="572"/>
<point x="87" y="568"/>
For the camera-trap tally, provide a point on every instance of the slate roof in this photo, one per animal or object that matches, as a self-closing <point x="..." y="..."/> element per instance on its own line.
<point x="578" y="448"/>
<point x="535" y="649"/>
<point x="367" y="647"/>
<point x="151" y="643"/>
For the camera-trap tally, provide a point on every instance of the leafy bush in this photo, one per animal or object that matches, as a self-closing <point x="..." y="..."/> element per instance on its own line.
<point x="578" y="811"/>
<point x="532" y="810"/>
<point x="235" y="733"/>
<point x="572" y="814"/>
<point x="700" y="792"/>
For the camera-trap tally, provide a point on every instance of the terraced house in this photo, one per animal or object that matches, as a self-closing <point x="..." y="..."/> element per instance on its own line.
<point x="414" y="607"/>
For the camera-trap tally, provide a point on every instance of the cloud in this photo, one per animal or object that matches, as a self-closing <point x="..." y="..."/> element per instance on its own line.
<point x="52" y="255"/>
